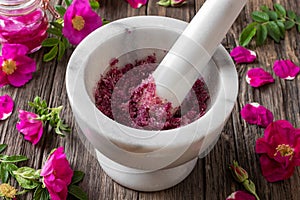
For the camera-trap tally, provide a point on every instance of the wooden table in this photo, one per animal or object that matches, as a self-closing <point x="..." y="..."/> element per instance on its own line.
<point x="211" y="178"/>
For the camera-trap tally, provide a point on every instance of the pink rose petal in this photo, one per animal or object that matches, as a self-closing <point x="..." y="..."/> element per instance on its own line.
<point x="6" y="106"/>
<point x="240" y="195"/>
<point x="242" y="55"/>
<point x="137" y="3"/>
<point x="257" y="77"/>
<point x="286" y="69"/>
<point x="254" y="113"/>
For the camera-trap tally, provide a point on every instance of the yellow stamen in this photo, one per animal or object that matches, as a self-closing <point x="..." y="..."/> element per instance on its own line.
<point x="78" y="23"/>
<point x="8" y="191"/>
<point x="284" y="150"/>
<point x="9" y="66"/>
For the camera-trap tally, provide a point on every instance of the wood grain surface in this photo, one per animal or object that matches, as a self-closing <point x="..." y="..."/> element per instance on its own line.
<point x="211" y="178"/>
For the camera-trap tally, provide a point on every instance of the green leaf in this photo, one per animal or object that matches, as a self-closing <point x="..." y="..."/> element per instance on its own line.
<point x="11" y="167"/>
<point x="272" y="15"/>
<point x="41" y="193"/>
<point x="289" y="24"/>
<point x="13" y="159"/>
<point x="66" y="42"/>
<point x="2" y="147"/>
<point x="247" y="34"/>
<point x="264" y="8"/>
<point x="94" y="4"/>
<point x="104" y="21"/>
<point x="280" y="10"/>
<point x="50" y="42"/>
<point x="291" y="14"/>
<point x="165" y="3"/>
<point x="51" y="54"/>
<point x="61" y="50"/>
<point x="298" y="23"/>
<point x="54" y="31"/>
<point x="297" y="19"/>
<point x="56" y="24"/>
<point x="260" y="16"/>
<point x="281" y="27"/>
<point x="68" y="2"/>
<point x="77" y="192"/>
<point x="261" y="34"/>
<point x="26" y="183"/>
<point x="60" y="9"/>
<point x="27" y="173"/>
<point x="274" y="31"/>
<point x="4" y="173"/>
<point x="77" y="177"/>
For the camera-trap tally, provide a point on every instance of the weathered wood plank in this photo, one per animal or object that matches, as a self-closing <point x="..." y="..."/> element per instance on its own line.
<point x="211" y="179"/>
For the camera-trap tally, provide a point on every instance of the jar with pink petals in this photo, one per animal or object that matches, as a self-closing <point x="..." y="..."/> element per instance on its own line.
<point x="23" y="22"/>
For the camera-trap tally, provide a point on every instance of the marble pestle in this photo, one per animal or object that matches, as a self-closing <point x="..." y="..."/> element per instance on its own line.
<point x="182" y="66"/>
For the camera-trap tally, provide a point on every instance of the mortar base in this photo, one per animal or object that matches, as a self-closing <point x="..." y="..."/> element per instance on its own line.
<point x="147" y="181"/>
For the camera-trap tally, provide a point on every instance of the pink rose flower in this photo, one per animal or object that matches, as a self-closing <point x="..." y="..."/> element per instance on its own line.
<point x="16" y="68"/>
<point x="137" y="3"/>
<point x="240" y="195"/>
<point x="280" y="150"/>
<point x="30" y="126"/>
<point x="254" y="113"/>
<point x="79" y="21"/>
<point x="257" y="77"/>
<point x="57" y="175"/>
<point x="286" y="69"/>
<point x="242" y="55"/>
<point x="6" y="106"/>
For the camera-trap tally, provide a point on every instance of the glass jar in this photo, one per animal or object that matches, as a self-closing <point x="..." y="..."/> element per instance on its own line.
<point x="23" y="22"/>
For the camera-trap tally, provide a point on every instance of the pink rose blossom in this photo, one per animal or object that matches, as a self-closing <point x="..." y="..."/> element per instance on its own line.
<point x="16" y="68"/>
<point x="6" y="106"/>
<point x="286" y="69"/>
<point x="257" y="77"/>
<point x="254" y="113"/>
<point x="30" y="126"/>
<point x="280" y="150"/>
<point x="242" y="55"/>
<point x="137" y="3"/>
<point x="79" y="21"/>
<point x="240" y="195"/>
<point x="57" y="175"/>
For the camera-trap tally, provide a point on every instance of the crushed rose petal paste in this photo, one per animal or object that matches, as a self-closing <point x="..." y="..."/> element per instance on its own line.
<point x="128" y="95"/>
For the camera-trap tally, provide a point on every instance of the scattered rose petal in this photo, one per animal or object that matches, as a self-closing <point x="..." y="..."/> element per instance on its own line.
<point x="30" y="126"/>
<point x="254" y="113"/>
<point x="177" y="3"/>
<point x="280" y="150"/>
<point x="16" y="68"/>
<point x="57" y="175"/>
<point x="6" y="106"/>
<point x="257" y="77"/>
<point x="242" y="55"/>
<point x="79" y="21"/>
<point x="286" y="69"/>
<point x="137" y="3"/>
<point x="240" y="195"/>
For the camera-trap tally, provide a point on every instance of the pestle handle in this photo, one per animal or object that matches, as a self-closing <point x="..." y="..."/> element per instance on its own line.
<point x="183" y="64"/>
